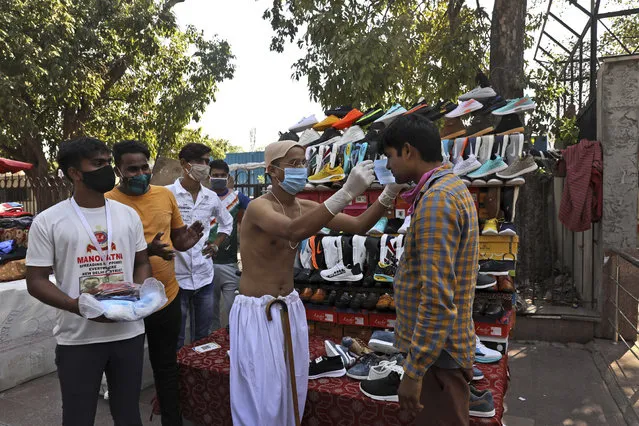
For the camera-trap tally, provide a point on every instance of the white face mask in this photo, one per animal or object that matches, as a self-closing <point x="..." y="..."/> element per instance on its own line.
<point x="199" y="172"/>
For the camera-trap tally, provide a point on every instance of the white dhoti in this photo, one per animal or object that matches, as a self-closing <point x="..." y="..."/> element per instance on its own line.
<point x="260" y="384"/>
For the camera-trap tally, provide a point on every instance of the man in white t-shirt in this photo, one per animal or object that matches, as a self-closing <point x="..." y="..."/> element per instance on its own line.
<point x="89" y="242"/>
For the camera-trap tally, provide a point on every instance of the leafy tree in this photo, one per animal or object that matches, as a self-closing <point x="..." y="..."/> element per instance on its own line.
<point x="364" y="53"/>
<point x="219" y="147"/>
<point x="110" y="68"/>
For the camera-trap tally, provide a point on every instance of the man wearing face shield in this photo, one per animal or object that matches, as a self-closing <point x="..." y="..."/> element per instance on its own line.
<point x="272" y="228"/>
<point x="194" y="268"/>
<point x="164" y="231"/>
<point x="226" y="280"/>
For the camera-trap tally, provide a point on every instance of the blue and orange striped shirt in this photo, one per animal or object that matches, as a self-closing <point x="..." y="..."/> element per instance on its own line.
<point x="436" y="276"/>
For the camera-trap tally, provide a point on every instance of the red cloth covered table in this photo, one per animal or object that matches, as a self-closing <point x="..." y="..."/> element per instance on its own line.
<point x="204" y="381"/>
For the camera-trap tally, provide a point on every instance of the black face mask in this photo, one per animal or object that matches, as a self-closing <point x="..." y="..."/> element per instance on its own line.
<point x="101" y="180"/>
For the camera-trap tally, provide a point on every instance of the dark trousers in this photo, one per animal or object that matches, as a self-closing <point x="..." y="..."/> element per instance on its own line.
<point x="80" y="369"/>
<point x="162" y="330"/>
<point x="445" y="396"/>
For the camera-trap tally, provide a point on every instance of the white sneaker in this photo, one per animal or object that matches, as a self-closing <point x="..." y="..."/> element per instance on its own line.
<point x="353" y="134"/>
<point x="331" y="256"/>
<point x="333" y="349"/>
<point x="303" y="124"/>
<point x="308" y="136"/>
<point x="305" y="255"/>
<point x="359" y="251"/>
<point x="478" y="93"/>
<point x="464" y="108"/>
<point x="340" y="272"/>
<point x="399" y="247"/>
<point x="469" y="165"/>
<point x="404" y="228"/>
<point x="383" y="369"/>
<point x="485" y="355"/>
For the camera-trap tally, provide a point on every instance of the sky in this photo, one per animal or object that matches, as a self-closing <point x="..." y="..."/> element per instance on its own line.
<point x="262" y="94"/>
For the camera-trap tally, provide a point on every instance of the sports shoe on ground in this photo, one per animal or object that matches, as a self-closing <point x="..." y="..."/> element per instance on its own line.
<point x="477" y="374"/>
<point x="339" y="272"/>
<point x="383" y="389"/>
<point x="356" y="346"/>
<point x="379" y="227"/>
<point x="349" y="119"/>
<point x="340" y="111"/>
<point x="328" y="174"/>
<point x="344" y="301"/>
<point x="370" y="116"/>
<point x="363" y="365"/>
<point x="485" y="355"/>
<point x="390" y="115"/>
<point x="505" y="284"/>
<point x="383" y="341"/>
<point x="326" y="123"/>
<point x="507" y="228"/>
<point x="520" y="167"/>
<point x="465" y="108"/>
<point x="509" y="124"/>
<point x="383" y="369"/>
<point x="488" y="168"/>
<point x="516" y="106"/>
<point x="404" y="228"/>
<point x="319" y="296"/>
<point x="453" y="128"/>
<point x="485" y="281"/>
<point x="482" y="405"/>
<point x="303" y="124"/>
<point x="308" y="136"/>
<point x="480" y="125"/>
<point x="326" y="367"/>
<point x="496" y="267"/>
<point x="333" y="349"/>
<point x="478" y="93"/>
<point x="383" y="303"/>
<point x="490" y="227"/>
<point x="371" y="301"/>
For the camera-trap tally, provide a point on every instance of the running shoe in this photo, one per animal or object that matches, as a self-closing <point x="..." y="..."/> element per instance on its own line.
<point x="516" y="106"/>
<point x="496" y="267"/>
<point x="348" y="120"/>
<point x="519" y="167"/>
<point x="379" y="227"/>
<point x="328" y="174"/>
<point x="485" y="281"/>
<point x="326" y="123"/>
<point x="477" y="374"/>
<point x="362" y="152"/>
<point x="481" y="404"/>
<point x="390" y="115"/>
<point x="488" y="168"/>
<point x="370" y="116"/>
<point x="363" y="366"/>
<point x="348" y="149"/>
<point x="303" y="124"/>
<point x="404" y="228"/>
<point x="490" y="227"/>
<point x="479" y="93"/>
<point x="507" y="228"/>
<point x="469" y="165"/>
<point x="442" y="108"/>
<point x="308" y="136"/>
<point x="465" y="108"/>
<point x="339" y="272"/>
<point x="383" y="389"/>
<point x="480" y="125"/>
<point x="326" y="367"/>
<point x="485" y="355"/>
<point x="289" y="136"/>
<point x="340" y="111"/>
<point x="338" y="350"/>
<point x="383" y="341"/>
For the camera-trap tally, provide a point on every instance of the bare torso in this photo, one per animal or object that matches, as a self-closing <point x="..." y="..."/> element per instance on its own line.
<point x="267" y="260"/>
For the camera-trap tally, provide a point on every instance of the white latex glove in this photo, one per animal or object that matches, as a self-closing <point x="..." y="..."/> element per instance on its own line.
<point x="359" y="180"/>
<point x="387" y="197"/>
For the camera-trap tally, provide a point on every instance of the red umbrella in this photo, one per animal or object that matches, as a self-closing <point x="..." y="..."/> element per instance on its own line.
<point x="13" y="166"/>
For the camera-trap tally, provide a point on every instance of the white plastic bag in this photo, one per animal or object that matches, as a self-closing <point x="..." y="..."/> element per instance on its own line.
<point x="152" y="298"/>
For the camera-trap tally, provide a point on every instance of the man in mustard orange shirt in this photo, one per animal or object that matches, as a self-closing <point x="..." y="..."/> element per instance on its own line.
<point x="164" y="231"/>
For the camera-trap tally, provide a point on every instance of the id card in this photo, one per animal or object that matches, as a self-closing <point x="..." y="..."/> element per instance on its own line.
<point x="206" y="347"/>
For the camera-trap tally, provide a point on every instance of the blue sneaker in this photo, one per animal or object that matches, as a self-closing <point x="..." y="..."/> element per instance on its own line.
<point x="394" y="112"/>
<point x="481" y="404"/>
<point x="362" y="152"/>
<point x="483" y="354"/>
<point x="361" y="369"/>
<point x="379" y="227"/>
<point x="488" y="168"/>
<point x="477" y="374"/>
<point x="338" y="350"/>
<point x="383" y="341"/>
<point x="515" y="106"/>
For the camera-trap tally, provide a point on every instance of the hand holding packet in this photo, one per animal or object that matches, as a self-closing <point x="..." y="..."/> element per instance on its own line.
<point x="384" y="176"/>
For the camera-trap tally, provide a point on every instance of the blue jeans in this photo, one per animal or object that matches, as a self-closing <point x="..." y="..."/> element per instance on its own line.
<point x="199" y="305"/>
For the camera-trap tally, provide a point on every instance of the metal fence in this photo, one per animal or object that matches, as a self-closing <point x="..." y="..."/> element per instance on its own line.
<point x="36" y="194"/>
<point x="625" y="300"/>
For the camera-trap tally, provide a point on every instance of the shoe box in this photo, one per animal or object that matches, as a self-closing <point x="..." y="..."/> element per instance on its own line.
<point x="321" y="315"/>
<point x="379" y="320"/>
<point x="350" y="319"/>
<point x="499" y="344"/>
<point x="496" y="329"/>
<point x="498" y="247"/>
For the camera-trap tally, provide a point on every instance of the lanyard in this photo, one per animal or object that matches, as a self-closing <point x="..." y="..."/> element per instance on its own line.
<point x="85" y="224"/>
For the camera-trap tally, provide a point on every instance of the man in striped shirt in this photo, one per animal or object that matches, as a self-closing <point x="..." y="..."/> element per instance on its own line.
<point x="435" y="281"/>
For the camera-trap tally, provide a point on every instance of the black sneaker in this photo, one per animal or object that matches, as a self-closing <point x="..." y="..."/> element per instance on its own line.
<point x="510" y="123"/>
<point x="328" y="134"/>
<point x="496" y="267"/>
<point x="491" y="104"/>
<point x="383" y="389"/>
<point x="485" y="281"/>
<point x="371" y="301"/>
<point x="289" y="136"/>
<point x="370" y="116"/>
<point x="316" y="278"/>
<point x="326" y="366"/>
<point x="340" y="111"/>
<point x="301" y="275"/>
<point x="442" y="108"/>
<point x="357" y="301"/>
<point x="344" y="301"/>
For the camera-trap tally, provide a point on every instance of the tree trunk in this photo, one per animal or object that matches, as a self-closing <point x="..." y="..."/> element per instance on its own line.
<point x="507" y="48"/>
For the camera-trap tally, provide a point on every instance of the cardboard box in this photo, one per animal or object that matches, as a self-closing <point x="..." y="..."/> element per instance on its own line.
<point x="381" y="320"/>
<point x="363" y="333"/>
<point x="347" y="318"/>
<point x="324" y="315"/>
<point x="499" y="344"/>
<point x="483" y="329"/>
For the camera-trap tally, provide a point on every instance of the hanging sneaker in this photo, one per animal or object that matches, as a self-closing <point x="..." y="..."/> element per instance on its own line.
<point x="482" y="405"/>
<point x="383" y="389"/>
<point x="467" y="166"/>
<point x="485" y="281"/>
<point x="485" y="148"/>
<point x="328" y="174"/>
<point x="509" y="124"/>
<point x="516" y="106"/>
<point x="385" y="272"/>
<point x="327" y="135"/>
<point x="496" y="267"/>
<point x="507" y="228"/>
<point x="453" y="128"/>
<point x="306" y="254"/>
<point x="362" y="152"/>
<point x="479" y="93"/>
<point x="326" y="367"/>
<point x="379" y="227"/>
<point x="359" y="251"/>
<point x="488" y="168"/>
<point x="326" y="123"/>
<point x="317" y="252"/>
<point x="289" y="136"/>
<point x="383" y="341"/>
<point x="465" y="108"/>
<point x="390" y="115"/>
<point x="340" y="272"/>
<point x="383" y="304"/>
<point x="490" y="227"/>
<point x="363" y="365"/>
<point x="404" y="228"/>
<point x="352" y="134"/>
<point x="420" y="109"/>
<point x="485" y="355"/>
<point x="520" y="167"/>
<point x="491" y="104"/>
<point x="331" y="255"/>
<point x="338" y="350"/>
<point x="442" y="108"/>
<point x="308" y="136"/>
<point x="349" y="119"/>
<point x="340" y="111"/>
<point x="370" y="116"/>
<point x="303" y="124"/>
